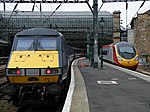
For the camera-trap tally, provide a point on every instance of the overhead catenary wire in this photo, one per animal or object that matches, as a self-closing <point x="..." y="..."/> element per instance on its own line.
<point x="52" y="13"/>
<point x="13" y="10"/>
<point x="41" y="11"/>
<point x="145" y="9"/>
<point x="101" y="6"/>
<point x="12" y="14"/>
<point x="44" y="14"/>
<point x="138" y="10"/>
<point x="16" y="11"/>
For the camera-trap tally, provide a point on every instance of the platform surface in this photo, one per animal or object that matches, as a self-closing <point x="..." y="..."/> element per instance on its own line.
<point x="111" y="90"/>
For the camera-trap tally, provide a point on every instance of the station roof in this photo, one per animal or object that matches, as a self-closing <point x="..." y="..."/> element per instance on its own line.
<point x="60" y="14"/>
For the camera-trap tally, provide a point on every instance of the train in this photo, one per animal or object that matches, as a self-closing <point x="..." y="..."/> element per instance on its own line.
<point x="38" y="66"/>
<point x="122" y="54"/>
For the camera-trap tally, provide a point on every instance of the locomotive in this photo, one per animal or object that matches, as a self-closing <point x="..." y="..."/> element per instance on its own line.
<point x="38" y="66"/>
<point x="122" y="54"/>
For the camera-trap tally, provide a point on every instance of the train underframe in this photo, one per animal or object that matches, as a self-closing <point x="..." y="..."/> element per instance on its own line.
<point x="35" y="94"/>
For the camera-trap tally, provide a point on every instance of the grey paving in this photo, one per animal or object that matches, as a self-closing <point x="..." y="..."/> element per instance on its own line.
<point x="128" y="94"/>
<point x="79" y="99"/>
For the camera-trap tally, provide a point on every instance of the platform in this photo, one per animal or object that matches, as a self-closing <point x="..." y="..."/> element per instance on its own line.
<point x="111" y="89"/>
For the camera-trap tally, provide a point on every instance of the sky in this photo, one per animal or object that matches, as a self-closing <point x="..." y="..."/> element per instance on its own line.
<point x="110" y="7"/>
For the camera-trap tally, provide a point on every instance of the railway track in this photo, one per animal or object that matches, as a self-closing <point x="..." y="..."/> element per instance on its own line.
<point x="3" y="80"/>
<point x="9" y="107"/>
<point x="54" y="106"/>
<point x="51" y="108"/>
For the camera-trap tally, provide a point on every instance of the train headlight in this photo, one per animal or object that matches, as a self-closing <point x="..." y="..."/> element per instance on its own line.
<point x="48" y="71"/>
<point x="137" y="58"/>
<point x="119" y="58"/>
<point x="51" y="71"/>
<point x="15" y="72"/>
<point x="18" y="72"/>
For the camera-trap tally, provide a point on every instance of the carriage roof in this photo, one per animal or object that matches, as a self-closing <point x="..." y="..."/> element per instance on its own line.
<point x="39" y="31"/>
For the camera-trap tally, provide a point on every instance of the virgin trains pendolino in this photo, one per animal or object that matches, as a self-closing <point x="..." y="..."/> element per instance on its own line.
<point x="38" y="66"/>
<point x="122" y="54"/>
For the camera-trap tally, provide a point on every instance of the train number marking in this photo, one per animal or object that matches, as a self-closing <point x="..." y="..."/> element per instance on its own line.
<point x="128" y="62"/>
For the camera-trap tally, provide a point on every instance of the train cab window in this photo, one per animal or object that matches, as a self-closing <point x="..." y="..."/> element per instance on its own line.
<point x="127" y="52"/>
<point x="47" y="43"/>
<point x="126" y="49"/>
<point x="25" y="43"/>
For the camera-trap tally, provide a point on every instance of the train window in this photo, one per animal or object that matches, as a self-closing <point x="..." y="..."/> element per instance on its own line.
<point x="47" y="43"/>
<point x="126" y="49"/>
<point x="104" y="51"/>
<point x="25" y="43"/>
<point x="127" y="52"/>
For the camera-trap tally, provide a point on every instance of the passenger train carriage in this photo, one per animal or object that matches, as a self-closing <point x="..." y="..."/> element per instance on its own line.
<point x="121" y="53"/>
<point x="38" y="64"/>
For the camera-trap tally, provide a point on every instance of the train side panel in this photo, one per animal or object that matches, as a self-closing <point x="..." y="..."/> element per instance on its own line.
<point x="122" y="54"/>
<point x="107" y="53"/>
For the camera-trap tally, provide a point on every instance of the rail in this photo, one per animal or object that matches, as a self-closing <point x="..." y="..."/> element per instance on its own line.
<point x="3" y="60"/>
<point x="3" y="80"/>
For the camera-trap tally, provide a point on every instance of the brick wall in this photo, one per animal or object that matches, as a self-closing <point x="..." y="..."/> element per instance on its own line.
<point x="116" y="27"/>
<point x="142" y="33"/>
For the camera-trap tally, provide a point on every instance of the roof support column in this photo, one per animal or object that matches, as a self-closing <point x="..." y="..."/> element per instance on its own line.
<point x="95" y="22"/>
<point x="88" y="43"/>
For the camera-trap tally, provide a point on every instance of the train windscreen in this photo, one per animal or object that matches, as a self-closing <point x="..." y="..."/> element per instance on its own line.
<point x="25" y="43"/>
<point x="30" y="43"/>
<point x="126" y="51"/>
<point x="45" y="43"/>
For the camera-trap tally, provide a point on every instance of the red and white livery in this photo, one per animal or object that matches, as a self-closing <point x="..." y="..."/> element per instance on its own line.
<point x="122" y="54"/>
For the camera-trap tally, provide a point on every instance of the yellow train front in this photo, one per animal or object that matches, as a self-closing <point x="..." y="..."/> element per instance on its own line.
<point x="126" y="55"/>
<point x="38" y="65"/>
<point x="121" y="53"/>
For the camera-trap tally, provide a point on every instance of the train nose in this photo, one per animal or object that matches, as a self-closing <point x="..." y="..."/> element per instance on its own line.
<point x="8" y="90"/>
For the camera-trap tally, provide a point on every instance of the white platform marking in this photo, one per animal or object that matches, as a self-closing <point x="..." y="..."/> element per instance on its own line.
<point x="67" y="104"/>
<point x="107" y="82"/>
<point x="134" y="73"/>
<point x="115" y="79"/>
<point x="132" y="78"/>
